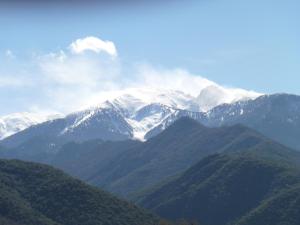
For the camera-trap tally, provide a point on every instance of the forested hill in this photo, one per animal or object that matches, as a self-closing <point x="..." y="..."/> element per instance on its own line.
<point x="34" y="194"/>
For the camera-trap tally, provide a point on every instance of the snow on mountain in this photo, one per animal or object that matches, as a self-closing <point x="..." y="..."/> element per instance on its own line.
<point x="13" y="123"/>
<point x="145" y="109"/>
<point x="149" y="117"/>
<point x="105" y="119"/>
<point x="133" y="99"/>
<point x="142" y="109"/>
<point x="130" y="113"/>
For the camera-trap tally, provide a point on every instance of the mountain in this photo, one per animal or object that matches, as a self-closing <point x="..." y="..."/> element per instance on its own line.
<point x="106" y="123"/>
<point x="241" y="189"/>
<point x="188" y="171"/>
<point x="126" y="167"/>
<point x="142" y="116"/>
<point x="276" y="116"/>
<point x="123" y="117"/>
<point x="16" y="122"/>
<point x="129" y="114"/>
<point x="33" y="194"/>
<point x="134" y="99"/>
<point x="174" y="150"/>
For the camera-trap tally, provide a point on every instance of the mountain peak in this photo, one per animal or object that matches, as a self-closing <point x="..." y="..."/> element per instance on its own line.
<point x="143" y="109"/>
<point x="16" y="122"/>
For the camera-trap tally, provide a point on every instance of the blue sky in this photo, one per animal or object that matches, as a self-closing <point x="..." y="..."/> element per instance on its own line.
<point x="247" y="44"/>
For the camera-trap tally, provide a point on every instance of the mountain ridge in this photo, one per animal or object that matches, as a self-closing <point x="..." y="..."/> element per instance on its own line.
<point x="32" y="193"/>
<point x="127" y="108"/>
<point x="143" y="121"/>
<point x="180" y="145"/>
<point x="238" y="188"/>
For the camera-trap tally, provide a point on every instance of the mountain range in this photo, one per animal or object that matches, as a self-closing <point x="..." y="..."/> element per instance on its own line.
<point x="177" y="155"/>
<point x="133" y="112"/>
<point x="239" y="189"/>
<point x="179" y="146"/>
<point x="16" y="122"/>
<point x="186" y="171"/>
<point x="142" y="114"/>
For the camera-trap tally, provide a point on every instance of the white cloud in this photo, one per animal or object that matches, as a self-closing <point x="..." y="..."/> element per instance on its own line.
<point x="66" y="82"/>
<point x="75" y="70"/>
<point x="93" y="44"/>
<point x="74" y="82"/>
<point x="69" y="81"/>
<point x="174" y="79"/>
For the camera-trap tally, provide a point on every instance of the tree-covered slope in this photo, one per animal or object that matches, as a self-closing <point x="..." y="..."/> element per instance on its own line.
<point x="228" y="188"/>
<point x="176" y="149"/>
<point x="32" y="194"/>
<point x="126" y="167"/>
<point x="281" y="209"/>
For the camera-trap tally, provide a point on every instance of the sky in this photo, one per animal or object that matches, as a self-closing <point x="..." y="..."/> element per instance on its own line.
<point x="59" y="56"/>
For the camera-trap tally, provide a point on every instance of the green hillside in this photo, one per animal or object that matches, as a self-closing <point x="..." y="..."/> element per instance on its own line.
<point x="243" y="189"/>
<point x="173" y="151"/>
<point x="34" y="194"/>
<point x="127" y="167"/>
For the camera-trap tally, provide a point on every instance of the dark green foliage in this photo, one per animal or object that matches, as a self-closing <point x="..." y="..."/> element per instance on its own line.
<point x="127" y="167"/>
<point x="32" y="194"/>
<point x="281" y="209"/>
<point x="222" y="189"/>
<point x="176" y="149"/>
<point x="4" y="221"/>
<point x="238" y="177"/>
<point x="91" y="157"/>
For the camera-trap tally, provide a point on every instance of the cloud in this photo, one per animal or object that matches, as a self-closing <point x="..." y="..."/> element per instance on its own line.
<point x="73" y="82"/>
<point x="66" y="82"/>
<point x="174" y="79"/>
<point x="64" y="69"/>
<point x="93" y="44"/>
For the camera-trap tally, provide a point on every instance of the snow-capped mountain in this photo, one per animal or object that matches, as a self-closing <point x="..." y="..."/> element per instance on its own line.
<point x="16" y="122"/>
<point x="133" y="99"/>
<point x="146" y="109"/>
<point x="131" y="114"/>
<point x="209" y="97"/>
<point x="106" y="121"/>
<point x="142" y="116"/>
<point x="276" y="116"/>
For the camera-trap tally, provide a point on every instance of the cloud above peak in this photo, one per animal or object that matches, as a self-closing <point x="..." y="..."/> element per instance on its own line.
<point x="68" y="80"/>
<point x="94" y="44"/>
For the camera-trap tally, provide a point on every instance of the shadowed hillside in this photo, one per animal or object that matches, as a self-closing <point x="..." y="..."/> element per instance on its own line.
<point x="33" y="194"/>
<point x="239" y="189"/>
